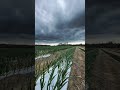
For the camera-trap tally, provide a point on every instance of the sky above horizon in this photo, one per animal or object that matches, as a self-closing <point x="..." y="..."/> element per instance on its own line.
<point x="59" y="21"/>
<point x="17" y="22"/>
<point x="102" y="21"/>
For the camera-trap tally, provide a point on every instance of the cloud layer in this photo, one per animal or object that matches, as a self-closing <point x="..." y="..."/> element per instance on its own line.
<point x="17" y="19"/>
<point x="59" y="21"/>
<point x="102" y="21"/>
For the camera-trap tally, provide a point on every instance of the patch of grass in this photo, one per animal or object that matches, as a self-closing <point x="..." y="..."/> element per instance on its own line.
<point x="90" y="58"/>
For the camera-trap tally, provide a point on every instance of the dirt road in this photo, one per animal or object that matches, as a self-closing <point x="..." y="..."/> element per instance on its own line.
<point x="105" y="73"/>
<point x="77" y="75"/>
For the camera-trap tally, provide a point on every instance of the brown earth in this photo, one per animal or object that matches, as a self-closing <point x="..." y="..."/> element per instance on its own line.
<point x="77" y="75"/>
<point x="105" y="73"/>
<point x="18" y="82"/>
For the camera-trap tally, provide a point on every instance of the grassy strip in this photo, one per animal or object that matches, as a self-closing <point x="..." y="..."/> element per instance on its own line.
<point x="90" y="58"/>
<point x="41" y="50"/>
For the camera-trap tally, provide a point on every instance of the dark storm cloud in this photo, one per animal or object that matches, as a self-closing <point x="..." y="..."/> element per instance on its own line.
<point x="102" y="20"/>
<point x="16" y="39"/>
<point x="59" y="21"/>
<point x="16" y="17"/>
<point x="64" y="35"/>
<point x="76" y="22"/>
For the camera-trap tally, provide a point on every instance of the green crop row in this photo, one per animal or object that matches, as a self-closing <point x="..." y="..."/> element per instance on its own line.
<point x="63" y="63"/>
<point x="41" y="50"/>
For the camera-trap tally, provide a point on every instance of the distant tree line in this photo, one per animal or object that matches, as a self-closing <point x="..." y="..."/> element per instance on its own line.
<point x="104" y="45"/>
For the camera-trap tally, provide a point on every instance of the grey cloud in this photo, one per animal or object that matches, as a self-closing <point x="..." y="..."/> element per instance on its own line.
<point x="16" y="19"/>
<point x="17" y="16"/>
<point x="102" y="21"/>
<point x="60" y="20"/>
<point x="102" y="17"/>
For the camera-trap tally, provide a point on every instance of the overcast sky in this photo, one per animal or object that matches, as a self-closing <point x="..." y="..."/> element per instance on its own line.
<point x="17" y="21"/>
<point x="59" y="21"/>
<point x="102" y="21"/>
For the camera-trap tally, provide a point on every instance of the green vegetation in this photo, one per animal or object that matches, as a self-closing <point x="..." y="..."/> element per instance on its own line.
<point x="41" y="50"/>
<point x="15" y="59"/>
<point x="91" y="54"/>
<point x="62" y="64"/>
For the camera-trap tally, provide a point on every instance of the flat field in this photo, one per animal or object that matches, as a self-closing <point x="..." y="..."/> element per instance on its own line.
<point x="102" y="68"/>
<point x="60" y="68"/>
<point x="17" y="68"/>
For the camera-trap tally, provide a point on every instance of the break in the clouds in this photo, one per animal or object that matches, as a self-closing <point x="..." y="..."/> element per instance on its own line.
<point x="59" y="21"/>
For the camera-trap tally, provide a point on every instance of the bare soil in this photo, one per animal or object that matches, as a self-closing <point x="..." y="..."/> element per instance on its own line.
<point x="77" y="75"/>
<point x="18" y="82"/>
<point x="105" y="73"/>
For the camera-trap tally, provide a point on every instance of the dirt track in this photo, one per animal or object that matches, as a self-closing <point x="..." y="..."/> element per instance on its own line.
<point x="105" y="73"/>
<point x="18" y="82"/>
<point x="77" y="75"/>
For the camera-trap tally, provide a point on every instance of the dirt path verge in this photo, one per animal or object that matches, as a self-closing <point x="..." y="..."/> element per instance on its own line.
<point x="77" y="75"/>
<point x="105" y="73"/>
